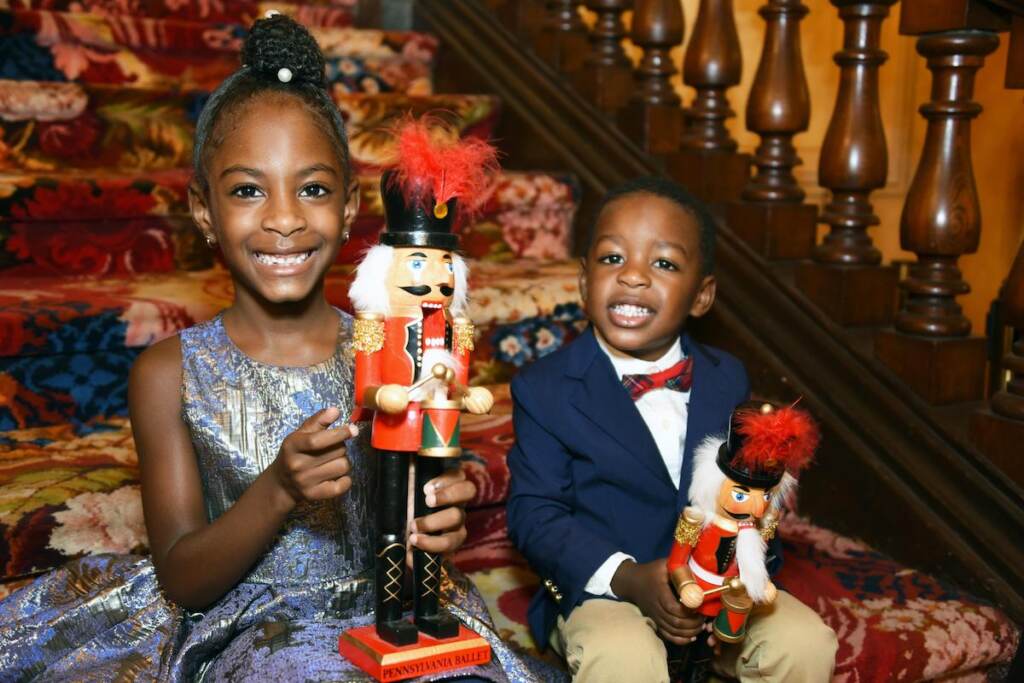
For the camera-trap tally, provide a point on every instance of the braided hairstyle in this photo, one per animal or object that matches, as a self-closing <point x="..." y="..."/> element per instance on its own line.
<point x="273" y="45"/>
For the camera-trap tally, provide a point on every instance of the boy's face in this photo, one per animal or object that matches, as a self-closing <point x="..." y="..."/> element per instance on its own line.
<point x="642" y="277"/>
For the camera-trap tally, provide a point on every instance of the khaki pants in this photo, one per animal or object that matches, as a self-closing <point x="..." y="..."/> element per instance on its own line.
<point x="606" y="640"/>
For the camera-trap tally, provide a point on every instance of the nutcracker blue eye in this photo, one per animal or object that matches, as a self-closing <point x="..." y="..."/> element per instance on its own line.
<point x="739" y="496"/>
<point x="450" y="267"/>
<point x="417" y="265"/>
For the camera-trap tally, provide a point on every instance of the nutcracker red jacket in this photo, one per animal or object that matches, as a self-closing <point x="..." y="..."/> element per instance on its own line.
<point x="587" y="477"/>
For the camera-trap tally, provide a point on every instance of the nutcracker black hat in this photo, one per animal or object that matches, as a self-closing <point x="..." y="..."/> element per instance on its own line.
<point x="436" y="175"/>
<point x="764" y="442"/>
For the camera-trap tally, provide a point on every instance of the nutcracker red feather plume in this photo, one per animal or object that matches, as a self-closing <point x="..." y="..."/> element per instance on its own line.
<point x="785" y="438"/>
<point x="435" y="164"/>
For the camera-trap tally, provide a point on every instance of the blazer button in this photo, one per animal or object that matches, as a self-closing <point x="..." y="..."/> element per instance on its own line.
<point x="547" y="583"/>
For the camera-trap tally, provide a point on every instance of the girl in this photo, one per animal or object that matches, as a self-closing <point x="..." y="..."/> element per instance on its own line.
<point x="257" y="493"/>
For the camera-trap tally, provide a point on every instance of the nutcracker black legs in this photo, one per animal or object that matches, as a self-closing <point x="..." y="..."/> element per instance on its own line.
<point x="430" y="618"/>
<point x="392" y="495"/>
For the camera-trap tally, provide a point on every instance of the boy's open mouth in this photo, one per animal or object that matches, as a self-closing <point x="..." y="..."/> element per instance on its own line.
<point x="629" y="315"/>
<point x="293" y="259"/>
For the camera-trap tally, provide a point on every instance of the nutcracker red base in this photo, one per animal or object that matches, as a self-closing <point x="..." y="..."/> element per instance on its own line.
<point x="386" y="662"/>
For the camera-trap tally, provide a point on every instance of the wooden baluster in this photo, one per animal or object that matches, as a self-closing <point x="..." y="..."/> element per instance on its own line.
<point x="654" y="116"/>
<point x="771" y="215"/>
<point x="930" y="348"/>
<point x="846" y="279"/>
<point x="999" y="432"/>
<point x="563" y="41"/>
<point x="606" y="78"/>
<point x="708" y="164"/>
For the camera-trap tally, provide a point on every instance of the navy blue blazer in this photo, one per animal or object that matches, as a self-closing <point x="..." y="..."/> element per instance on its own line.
<point x="587" y="477"/>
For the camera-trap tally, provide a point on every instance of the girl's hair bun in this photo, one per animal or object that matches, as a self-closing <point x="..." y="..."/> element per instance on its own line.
<point x="279" y="42"/>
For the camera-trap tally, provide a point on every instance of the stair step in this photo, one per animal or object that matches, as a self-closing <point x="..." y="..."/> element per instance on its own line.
<point x="66" y="345"/>
<point x="48" y="126"/>
<point x="117" y="225"/>
<point x="46" y="468"/>
<point x="182" y="56"/>
<point x="312" y="13"/>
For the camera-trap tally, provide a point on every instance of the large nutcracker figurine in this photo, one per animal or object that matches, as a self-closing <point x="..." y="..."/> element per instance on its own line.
<point x="412" y="341"/>
<point x="740" y="483"/>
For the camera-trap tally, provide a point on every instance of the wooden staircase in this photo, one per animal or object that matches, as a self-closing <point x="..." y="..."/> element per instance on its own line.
<point x="923" y="423"/>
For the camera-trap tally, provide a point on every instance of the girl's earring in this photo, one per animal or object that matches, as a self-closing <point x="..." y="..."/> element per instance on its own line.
<point x="210" y="241"/>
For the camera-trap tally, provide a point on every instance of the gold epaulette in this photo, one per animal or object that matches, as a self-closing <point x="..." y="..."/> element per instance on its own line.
<point x="688" y="529"/>
<point x="368" y="332"/>
<point x="768" y="526"/>
<point x="462" y="335"/>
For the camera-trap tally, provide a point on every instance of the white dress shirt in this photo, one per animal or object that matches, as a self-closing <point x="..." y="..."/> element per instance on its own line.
<point x="664" y="412"/>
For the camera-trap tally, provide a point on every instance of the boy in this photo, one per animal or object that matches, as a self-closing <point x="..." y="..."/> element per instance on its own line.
<point x="605" y="432"/>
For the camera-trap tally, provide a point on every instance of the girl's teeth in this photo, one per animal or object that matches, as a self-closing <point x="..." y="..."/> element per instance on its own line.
<point x="631" y="311"/>
<point x="289" y="260"/>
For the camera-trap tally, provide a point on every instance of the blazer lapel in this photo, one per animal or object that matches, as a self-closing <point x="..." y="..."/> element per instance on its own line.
<point x="601" y="398"/>
<point x="706" y="400"/>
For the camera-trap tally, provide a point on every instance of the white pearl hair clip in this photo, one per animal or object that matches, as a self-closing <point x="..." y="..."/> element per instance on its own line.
<point x="284" y="74"/>
<point x="270" y="13"/>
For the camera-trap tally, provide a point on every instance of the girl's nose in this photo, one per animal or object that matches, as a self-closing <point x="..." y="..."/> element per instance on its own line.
<point x="283" y="217"/>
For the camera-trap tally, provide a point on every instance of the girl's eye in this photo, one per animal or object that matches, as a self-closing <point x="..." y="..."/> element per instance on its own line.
<point x="450" y="267"/>
<point x="739" y="496"/>
<point x="246" y="191"/>
<point x="314" y="190"/>
<point x="611" y="259"/>
<point x="665" y="264"/>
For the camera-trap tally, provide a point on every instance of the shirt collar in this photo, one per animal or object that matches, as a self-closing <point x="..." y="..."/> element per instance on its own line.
<point x="625" y="364"/>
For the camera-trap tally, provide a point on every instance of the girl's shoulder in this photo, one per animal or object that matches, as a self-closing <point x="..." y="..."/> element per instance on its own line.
<point x="156" y="370"/>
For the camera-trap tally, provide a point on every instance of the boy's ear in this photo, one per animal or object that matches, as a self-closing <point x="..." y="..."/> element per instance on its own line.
<point x="351" y="205"/>
<point x="200" y="211"/>
<point x="705" y="296"/>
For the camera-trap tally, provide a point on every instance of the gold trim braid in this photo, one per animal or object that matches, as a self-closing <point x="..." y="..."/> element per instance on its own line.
<point x="687" y="532"/>
<point x="462" y="335"/>
<point x="368" y="333"/>
<point x="768" y="530"/>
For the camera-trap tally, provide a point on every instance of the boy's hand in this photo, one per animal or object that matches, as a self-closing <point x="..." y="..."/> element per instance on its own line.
<point x="312" y="463"/>
<point x="647" y="587"/>
<point x="444" y="531"/>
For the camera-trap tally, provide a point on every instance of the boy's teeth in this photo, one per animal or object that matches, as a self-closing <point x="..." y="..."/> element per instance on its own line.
<point x="289" y="260"/>
<point x="630" y="311"/>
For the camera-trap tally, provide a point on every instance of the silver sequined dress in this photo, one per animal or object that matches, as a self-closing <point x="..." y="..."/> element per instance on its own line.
<point x="104" y="618"/>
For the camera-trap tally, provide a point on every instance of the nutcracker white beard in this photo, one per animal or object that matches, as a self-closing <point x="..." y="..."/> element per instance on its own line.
<point x="750" y="552"/>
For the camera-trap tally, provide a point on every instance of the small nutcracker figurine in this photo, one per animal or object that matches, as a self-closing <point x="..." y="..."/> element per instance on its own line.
<point x="740" y="483"/>
<point x="412" y="341"/>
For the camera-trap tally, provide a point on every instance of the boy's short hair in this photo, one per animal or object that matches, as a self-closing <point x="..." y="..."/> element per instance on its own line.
<point x="674" y="192"/>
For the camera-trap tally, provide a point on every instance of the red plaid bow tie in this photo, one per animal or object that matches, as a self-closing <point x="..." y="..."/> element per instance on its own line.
<point x="679" y="377"/>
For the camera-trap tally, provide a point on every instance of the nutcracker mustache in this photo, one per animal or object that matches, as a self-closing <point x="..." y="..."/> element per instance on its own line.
<point x="423" y="290"/>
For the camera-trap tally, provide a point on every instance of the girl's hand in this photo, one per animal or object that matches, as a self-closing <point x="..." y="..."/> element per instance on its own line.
<point x="313" y="463"/>
<point x="451" y="491"/>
